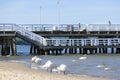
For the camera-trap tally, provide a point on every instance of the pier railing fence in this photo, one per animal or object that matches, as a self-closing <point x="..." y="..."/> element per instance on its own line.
<point x="83" y="42"/>
<point x="71" y="27"/>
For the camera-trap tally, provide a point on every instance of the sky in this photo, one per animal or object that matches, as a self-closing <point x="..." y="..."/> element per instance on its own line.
<point x="64" y="12"/>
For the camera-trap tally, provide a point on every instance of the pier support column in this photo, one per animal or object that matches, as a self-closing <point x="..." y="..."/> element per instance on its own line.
<point x="75" y="50"/>
<point x="38" y="51"/>
<point x="79" y="50"/>
<point x="42" y="52"/>
<point x="52" y="52"/>
<point x="3" y="49"/>
<point x="66" y="50"/>
<point x="117" y="50"/>
<point x="31" y="49"/>
<point x="60" y="51"/>
<point x="70" y="51"/>
<point x="35" y="52"/>
<point x="47" y="52"/>
<point x="7" y="49"/>
<point x="5" y="45"/>
<point x="105" y="49"/>
<point x="100" y="50"/>
<point x="84" y="51"/>
<point x="57" y="51"/>
<point x="91" y="51"/>
<point x="112" y="50"/>
<point x="13" y="46"/>
<point x="96" y="50"/>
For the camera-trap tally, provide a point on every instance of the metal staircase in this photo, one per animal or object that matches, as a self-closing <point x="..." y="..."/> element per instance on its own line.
<point x="24" y="34"/>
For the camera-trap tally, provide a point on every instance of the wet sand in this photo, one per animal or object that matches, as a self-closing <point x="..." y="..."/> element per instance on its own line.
<point x="15" y="71"/>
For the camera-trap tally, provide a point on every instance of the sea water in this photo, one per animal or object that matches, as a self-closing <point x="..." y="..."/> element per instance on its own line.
<point x="100" y="65"/>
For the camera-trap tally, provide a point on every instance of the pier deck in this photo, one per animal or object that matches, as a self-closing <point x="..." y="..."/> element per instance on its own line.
<point x="47" y="37"/>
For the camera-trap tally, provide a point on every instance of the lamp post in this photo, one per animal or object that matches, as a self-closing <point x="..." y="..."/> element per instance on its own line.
<point x="40" y="14"/>
<point x="58" y="3"/>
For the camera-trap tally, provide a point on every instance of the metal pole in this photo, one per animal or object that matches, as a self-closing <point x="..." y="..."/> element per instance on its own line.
<point x="40" y="14"/>
<point x="58" y="13"/>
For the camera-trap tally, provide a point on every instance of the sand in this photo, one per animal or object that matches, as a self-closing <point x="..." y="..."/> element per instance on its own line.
<point x="15" y="71"/>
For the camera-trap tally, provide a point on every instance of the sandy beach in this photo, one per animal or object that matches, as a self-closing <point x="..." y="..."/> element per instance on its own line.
<point x="15" y="71"/>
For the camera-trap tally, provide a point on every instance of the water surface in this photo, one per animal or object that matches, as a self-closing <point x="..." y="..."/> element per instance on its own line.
<point x="106" y="66"/>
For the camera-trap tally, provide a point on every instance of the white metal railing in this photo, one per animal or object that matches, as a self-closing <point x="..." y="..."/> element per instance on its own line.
<point x="6" y="27"/>
<point x="64" y="27"/>
<point x="83" y="42"/>
<point x="13" y="27"/>
<point x="53" y="27"/>
<point x="31" y="35"/>
<point x="103" y="27"/>
<point x="71" y="27"/>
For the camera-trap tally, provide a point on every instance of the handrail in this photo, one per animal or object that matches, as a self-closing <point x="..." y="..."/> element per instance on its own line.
<point x="13" y="27"/>
<point x="53" y="27"/>
<point x="83" y="42"/>
<point x="65" y="27"/>
<point x="103" y="27"/>
<point x="6" y="27"/>
<point x="31" y="35"/>
<point x="72" y="27"/>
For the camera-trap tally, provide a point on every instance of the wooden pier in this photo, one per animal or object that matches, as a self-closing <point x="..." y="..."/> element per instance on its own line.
<point x="66" y="39"/>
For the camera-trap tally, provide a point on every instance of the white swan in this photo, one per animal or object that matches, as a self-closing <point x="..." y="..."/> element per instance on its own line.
<point x="38" y="60"/>
<point x="107" y="68"/>
<point x="33" y="59"/>
<point x="100" y="66"/>
<point x="73" y="60"/>
<point x="104" y="66"/>
<point x="62" y="68"/>
<point x="48" y="65"/>
<point x="83" y="58"/>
